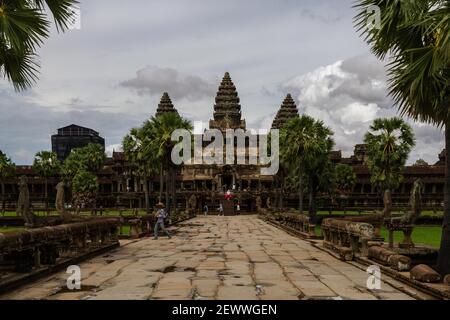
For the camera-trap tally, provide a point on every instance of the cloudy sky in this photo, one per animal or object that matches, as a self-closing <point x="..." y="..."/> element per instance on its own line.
<point x="110" y="74"/>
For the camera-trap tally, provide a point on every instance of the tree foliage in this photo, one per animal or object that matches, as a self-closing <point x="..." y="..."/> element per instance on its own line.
<point x="84" y="187"/>
<point x="345" y="178"/>
<point x="24" y="24"/>
<point x="414" y="37"/>
<point x="421" y="163"/>
<point x="90" y="158"/>
<point x="80" y="169"/>
<point x="7" y="167"/>
<point x="305" y="145"/>
<point x="46" y="164"/>
<point x="389" y="142"/>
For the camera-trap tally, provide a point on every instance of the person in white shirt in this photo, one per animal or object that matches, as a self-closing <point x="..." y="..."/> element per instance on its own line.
<point x="161" y="214"/>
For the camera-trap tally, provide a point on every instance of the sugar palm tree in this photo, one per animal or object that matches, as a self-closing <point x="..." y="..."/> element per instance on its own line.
<point x="46" y="164"/>
<point x="7" y="169"/>
<point x="140" y="150"/>
<point x="415" y="38"/>
<point x="389" y="142"/>
<point x="161" y="128"/>
<point x="24" y="24"/>
<point x="305" y="146"/>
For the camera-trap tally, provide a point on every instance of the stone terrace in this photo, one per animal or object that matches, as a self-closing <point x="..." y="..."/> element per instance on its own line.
<point x="217" y="258"/>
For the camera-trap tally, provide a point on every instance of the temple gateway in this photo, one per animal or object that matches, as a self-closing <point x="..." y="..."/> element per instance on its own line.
<point x="120" y="187"/>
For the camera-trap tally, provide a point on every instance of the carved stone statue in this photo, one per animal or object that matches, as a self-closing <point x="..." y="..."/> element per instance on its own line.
<point x="23" y="204"/>
<point x="191" y="205"/>
<point x="59" y="203"/>
<point x="268" y="203"/>
<point x="258" y="204"/>
<point x="415" y="202"/>
<point x="406" y="222"/>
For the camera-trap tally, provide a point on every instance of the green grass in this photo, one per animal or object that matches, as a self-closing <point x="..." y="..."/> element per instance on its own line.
<point x="421" y="235"/>
<point x="10" y="229"/>
<point x="425" y="213"/>
<point x="348" y="213"/>
<point x="425" y="235"/>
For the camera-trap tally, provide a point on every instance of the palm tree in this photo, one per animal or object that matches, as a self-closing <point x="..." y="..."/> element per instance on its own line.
<point x="24" y="24"/>
<point x="415" y="36"/>
<point x="140" y="150"/>
<point x="7" y="169"/>
<point x="94" y="157"/>
<point x="305" y="146"/>
<point x="389" y="142"/>
<point x="160" y="129"/>
<point x="46" y="164"/>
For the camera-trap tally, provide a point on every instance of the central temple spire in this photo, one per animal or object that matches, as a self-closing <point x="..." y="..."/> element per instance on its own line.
<point x="227" y="110"/>
<point x="165" y="106"/>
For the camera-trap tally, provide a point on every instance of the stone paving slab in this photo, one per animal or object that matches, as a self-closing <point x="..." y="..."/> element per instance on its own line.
<point x="233" y="258"/>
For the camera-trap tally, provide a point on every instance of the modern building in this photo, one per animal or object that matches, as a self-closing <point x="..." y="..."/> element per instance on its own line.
<point x="72" y="137"/>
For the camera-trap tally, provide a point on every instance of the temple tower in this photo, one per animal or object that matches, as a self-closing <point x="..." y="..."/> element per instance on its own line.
<point x="227" y="110"/>
<point x="165" y="106"/>
<point x="287" y="111"/>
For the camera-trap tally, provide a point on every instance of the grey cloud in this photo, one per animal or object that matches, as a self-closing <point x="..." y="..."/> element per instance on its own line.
<point x="25" y="127"/>
<point x="349" y="95"/>
<point x="155" y="81"/>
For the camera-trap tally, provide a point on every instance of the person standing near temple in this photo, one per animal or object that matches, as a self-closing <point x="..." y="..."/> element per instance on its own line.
<point x="220" y="210"/>
<point x="205" y="209"/>
<point x="238" y="208"/>
<point x="161" y="214"/>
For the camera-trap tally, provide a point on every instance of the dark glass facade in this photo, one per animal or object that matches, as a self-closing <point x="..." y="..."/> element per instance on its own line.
<point x="72" y="137"/>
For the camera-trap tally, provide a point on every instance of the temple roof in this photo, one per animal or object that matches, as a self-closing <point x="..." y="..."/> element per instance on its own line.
<point x="227" y="110"/>
<point x="287" y="111"/>
<point x="165" y="106"/>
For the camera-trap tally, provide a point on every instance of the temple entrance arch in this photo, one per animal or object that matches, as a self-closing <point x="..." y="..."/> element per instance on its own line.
<point x="227" y="178"/>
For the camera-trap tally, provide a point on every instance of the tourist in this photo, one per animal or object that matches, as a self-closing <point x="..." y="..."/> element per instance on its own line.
<point x="205" y="209"/>
<point x="220" y="210"/>
<point x="161" y="214"/>
<point x="228" y="196"/>
<point x="238" y="209"/>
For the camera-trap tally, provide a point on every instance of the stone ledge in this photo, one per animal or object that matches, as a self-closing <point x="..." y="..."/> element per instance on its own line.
<point x="20" y="280"/>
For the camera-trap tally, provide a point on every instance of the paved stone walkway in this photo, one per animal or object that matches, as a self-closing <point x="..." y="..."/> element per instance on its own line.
<point x="215" y="258"/>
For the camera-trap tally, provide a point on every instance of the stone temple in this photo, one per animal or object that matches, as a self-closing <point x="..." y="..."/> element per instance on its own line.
<point x="120" y="187"/>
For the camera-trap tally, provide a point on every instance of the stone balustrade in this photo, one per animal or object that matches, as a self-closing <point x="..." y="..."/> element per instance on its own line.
<point x="390" y="258"/>
<point x="138" y="226"/>
<point x="297" y="223"/>
<point x="300" y="223"/>
<point x="347" y="238"/>
<point x="28" y="249"/>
